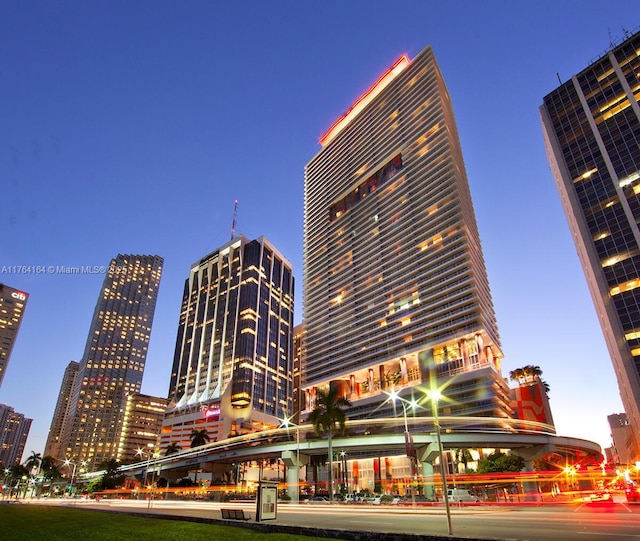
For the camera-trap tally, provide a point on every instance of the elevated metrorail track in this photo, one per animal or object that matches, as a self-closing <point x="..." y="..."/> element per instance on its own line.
<point x="373" y="437"/>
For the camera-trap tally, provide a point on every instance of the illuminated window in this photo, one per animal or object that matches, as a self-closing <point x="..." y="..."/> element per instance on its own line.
<point x="627" y="286"/>
<point x="633" y="335"/>
<point x="628" y="180"/>
<point x="586" y="174"/>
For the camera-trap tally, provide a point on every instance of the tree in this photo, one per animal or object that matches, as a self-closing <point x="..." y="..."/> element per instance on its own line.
<point x="528" y="374"/>
<point x="172" y="449"/>
<point x="314" y="462"/>
<point x="531" y="372"/>
<point x="17" y="474"/>
<point x="112" y="478"/>
<point x="325" y="416"/>
<point x="33" y="461"/>
<point x="48" y="463"/>
<point x="461" y="456"/>
<point x="499" y="462"/>
<point x="49" y="470"/>
<point x="199" y="437"/>
<point x="516" y="375"/>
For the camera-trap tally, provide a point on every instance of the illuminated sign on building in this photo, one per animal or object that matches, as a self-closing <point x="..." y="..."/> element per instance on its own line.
<point x="19" y="295"/>
<point x="366" y="98"/>
<point x="210" y="412"/>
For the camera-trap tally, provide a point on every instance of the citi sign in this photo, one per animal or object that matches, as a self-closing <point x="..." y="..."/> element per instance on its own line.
<point x="18" y="295"/>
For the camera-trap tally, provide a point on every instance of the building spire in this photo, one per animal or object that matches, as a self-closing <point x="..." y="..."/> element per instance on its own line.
<point x="233" y="223"/>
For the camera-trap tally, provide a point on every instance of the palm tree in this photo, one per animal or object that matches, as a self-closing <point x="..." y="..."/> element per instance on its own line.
<point x="33" y="461"/>
<point x="325" y="416"/>
<point x="516" y="375"/>
<point x="532" y="372"/>
<point x="112" y="477"/>
<point x="47" y="463"/>
<point x="527" y="374"/>
<point x="50" y="471"/>
<point x="18" y="473"/>
<point x="172" y="449"/>
<point x="461" y="456"/>
<point x="199" y="437"/>
<point x="314" y="462"/>
<point x="546" y="387"/>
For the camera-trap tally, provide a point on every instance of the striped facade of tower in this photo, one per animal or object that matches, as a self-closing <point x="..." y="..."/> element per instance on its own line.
<point x="396" y="293"/>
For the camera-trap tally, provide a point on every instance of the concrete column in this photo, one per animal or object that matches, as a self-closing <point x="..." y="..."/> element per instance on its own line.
<point x="531" y="490"/>
<point x="294" y="461"/>
<point x="293" y="480"/>
<point x="428" y="485"/>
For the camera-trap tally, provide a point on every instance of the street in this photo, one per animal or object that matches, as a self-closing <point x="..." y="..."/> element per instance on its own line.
<point x="583" y="521"/>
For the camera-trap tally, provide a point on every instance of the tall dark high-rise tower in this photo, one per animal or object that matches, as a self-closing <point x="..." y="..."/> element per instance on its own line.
<point x="114" y="357"/>
<point x="232" y="364"/>
<point x="396" y="294"/>
<point x="12" y="305"/>
<point x="52" y="447"/>
<point x="591" y="126"/>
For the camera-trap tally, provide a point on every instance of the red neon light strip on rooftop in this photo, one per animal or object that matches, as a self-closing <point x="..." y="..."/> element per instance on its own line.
<point x="365" y="98"/>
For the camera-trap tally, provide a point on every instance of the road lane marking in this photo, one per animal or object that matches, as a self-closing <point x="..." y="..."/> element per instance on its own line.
<point x="608" y="534"/>
<point x="369" y="522"/>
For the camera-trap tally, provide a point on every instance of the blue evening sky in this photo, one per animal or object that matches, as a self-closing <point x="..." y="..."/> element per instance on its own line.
<point x="132" y="126"/>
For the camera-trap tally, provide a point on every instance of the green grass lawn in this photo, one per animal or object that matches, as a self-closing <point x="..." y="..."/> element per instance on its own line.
<point x="35" y="523"/>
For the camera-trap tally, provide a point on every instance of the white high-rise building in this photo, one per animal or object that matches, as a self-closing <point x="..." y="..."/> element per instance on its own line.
<point x="396" y="294"/>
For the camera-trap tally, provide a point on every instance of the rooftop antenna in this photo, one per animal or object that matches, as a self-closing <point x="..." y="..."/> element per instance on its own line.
<point x="235" y="214"/>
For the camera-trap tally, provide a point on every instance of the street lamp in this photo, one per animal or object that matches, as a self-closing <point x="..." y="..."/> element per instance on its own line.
<point x="140" y="452"/>
<point x="435" y="395"/>
<point x="345" y="473"/>
<point x="68" y="464"/>
<point x="286" y="423"/>
<point x="408" y="439"/>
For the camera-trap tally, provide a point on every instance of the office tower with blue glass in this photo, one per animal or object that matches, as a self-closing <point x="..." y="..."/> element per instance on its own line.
<point x="591" y="128"/>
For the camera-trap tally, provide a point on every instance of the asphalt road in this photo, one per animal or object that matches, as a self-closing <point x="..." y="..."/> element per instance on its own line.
<point x="617" y="521"/>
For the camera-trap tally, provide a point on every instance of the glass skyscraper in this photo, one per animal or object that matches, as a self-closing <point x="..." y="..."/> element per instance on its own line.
<point x="591" y="127"/>
<point x="233" y="357"/>
<point x="396" y="294"/>
<point x="113" y="361"/>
